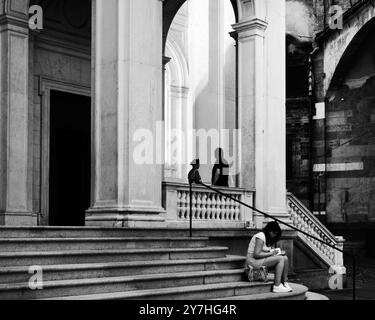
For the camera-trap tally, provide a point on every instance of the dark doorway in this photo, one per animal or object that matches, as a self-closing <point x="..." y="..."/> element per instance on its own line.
<point x="69" y="182"/>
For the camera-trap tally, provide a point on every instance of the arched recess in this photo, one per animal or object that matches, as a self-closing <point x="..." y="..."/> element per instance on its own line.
<point x="200" y="86"/>
<point x="338" y="45"/>
<point x="177" y="116"/>
<point x="350" y="132"/>
<point x="349" y="54"/>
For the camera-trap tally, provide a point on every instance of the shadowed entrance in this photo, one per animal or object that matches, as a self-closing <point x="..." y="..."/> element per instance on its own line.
<point x="69" y="159"/>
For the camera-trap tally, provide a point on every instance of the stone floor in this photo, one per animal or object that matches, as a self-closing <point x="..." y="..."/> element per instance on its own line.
<point x="365" y="281"/>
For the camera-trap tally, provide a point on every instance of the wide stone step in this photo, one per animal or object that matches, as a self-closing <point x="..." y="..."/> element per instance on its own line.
<point x="41" y="258"/>
<point x="299" y="293"/>
<point x="87" y="232"/>
<point x="194" y="292"/>
<point x="101" y="270"/>
<point x="58" y="244"/>
<point x="137" y="283"/>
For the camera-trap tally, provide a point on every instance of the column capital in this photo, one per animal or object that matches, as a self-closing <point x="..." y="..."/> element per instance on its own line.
<point x="251" y="27"/>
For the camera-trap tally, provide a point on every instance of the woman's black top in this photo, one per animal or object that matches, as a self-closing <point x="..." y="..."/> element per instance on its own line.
<point x="223" y="180"/>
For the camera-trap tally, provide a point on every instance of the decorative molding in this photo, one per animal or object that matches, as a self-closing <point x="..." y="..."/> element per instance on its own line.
<point x="249" y="28"/>
<point x="63" y="46"/>
<point x="14" y="21"/>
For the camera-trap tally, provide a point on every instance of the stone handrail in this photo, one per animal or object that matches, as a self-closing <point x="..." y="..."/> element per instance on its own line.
<point x="304" y="220"/>
<point x="209" y="208"/>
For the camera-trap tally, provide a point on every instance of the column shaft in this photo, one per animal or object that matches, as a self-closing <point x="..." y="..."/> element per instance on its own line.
<point x="127" y="97"/>
<point x="15" y="136"/>
<point x="262" y="106"/>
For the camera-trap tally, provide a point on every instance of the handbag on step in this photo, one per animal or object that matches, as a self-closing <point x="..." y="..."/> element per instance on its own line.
<point x="257" y="274"/>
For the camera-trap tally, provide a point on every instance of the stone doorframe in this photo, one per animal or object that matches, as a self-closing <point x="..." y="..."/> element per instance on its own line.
<point x="45" y="87"/>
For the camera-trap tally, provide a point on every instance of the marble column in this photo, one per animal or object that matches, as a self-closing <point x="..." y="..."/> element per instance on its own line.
<point x="15" y="132"/>
<point x="261" y="99"/>
<point x="275" y="196"/>
<point x="127" y="97"/>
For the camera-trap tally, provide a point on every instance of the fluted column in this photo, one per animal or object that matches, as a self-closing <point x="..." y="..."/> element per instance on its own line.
<point x="127" y="97"/>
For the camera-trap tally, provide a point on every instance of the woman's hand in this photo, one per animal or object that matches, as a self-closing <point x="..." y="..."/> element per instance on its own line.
<point x="273" y="253"/>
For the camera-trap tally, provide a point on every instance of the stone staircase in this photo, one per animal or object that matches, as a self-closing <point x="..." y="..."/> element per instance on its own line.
<point x="108" y="264"/>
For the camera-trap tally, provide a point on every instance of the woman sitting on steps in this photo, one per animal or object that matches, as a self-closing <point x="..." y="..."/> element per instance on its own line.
<point x="262" y="253"/>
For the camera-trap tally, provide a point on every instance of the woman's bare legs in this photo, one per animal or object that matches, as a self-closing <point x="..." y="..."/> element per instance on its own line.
<point x="277" y="262"/>
<point x="286" y="270"/>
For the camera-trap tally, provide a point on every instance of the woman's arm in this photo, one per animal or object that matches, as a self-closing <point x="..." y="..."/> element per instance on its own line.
<point x="258" y="251"/>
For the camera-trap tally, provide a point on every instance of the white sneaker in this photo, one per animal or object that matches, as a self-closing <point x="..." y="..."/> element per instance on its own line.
<point x="287" y="286"/>
<point x="280" y="289"/>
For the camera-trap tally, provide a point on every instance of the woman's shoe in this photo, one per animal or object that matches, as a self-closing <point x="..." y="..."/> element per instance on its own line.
<point x="280" y="289"/>
<point x="287" y="286"/>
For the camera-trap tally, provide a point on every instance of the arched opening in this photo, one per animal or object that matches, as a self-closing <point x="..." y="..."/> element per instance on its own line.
<point x="200" y="87"/>
<point x="350" y="133"/>
<point x="171" y="8"/>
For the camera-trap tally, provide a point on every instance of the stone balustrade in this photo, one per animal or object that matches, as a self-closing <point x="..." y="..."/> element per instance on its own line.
<point x="209" y="209"/>
<point x="304" y="220"/>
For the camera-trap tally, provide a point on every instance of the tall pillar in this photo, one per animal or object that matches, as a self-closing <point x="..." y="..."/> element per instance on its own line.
<point x="261" y="99"/>
<point x="15" y="135"/>
<point x="276" y="109"/>
<point x="127" y="97"/>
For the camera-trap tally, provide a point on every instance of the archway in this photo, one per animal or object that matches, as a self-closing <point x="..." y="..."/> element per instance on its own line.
<point x="339" y="44"/>
<point x="350" y="132"/>
<point x="200" y="85"/>
<point x="176" y="114"/>
<point x="171" y="8"/>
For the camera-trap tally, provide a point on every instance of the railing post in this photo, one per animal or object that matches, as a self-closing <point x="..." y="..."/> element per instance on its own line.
<point x="247" y="214"/>
<point x="191" y="208"/>
<point x="339" y="257"/>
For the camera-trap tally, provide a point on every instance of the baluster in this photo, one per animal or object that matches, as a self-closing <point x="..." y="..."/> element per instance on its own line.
<point x="179" y="205"/>
<point x="209" y="207"/>
<point x="214" y="210"/>
<point x="194" y="210"/>
<point x="228" y="207"/>
<point x="199" y="206"/>
<point x="218" y="207"/>
<point x="226" y="211"/>
<point x="237" y="209"/>
<point x="185" y="204"/>
<point x="221" y="209"/>
<point x="204" y="206"/>
<point x="183" y="196"/>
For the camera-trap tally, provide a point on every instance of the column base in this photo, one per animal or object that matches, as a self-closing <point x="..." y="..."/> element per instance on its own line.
<point x="18" y="219"/>
<point x="132" y="218"/>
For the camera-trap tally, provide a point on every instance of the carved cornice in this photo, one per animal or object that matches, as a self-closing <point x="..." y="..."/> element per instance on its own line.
<point x="14" y="21"/>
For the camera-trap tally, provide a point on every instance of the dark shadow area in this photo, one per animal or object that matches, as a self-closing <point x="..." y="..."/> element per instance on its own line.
<point x="69" y="159"/>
